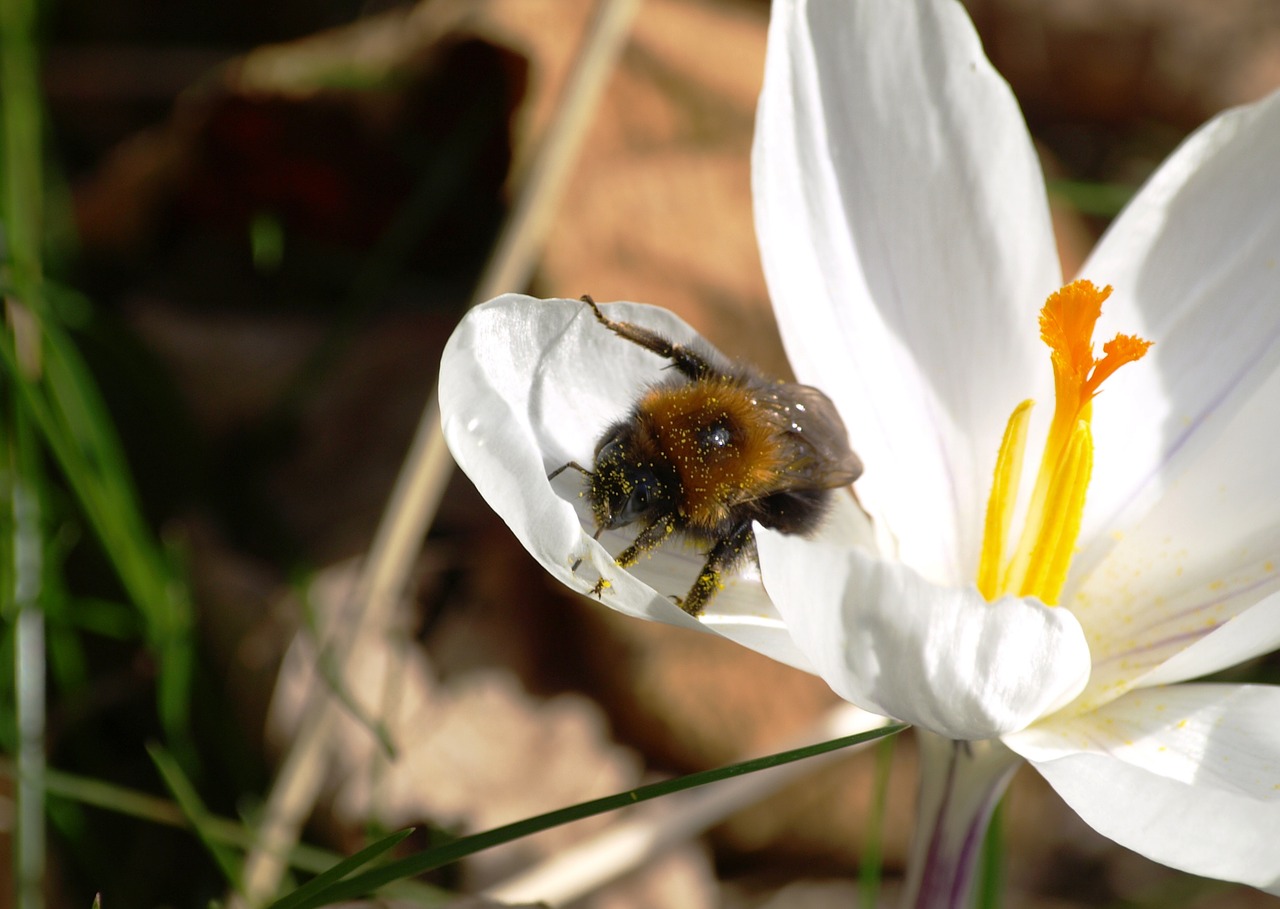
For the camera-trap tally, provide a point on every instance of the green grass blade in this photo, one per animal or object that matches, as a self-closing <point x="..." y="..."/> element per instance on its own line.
<point x="197" y="814"/>
<point x="337" y="686"/>
<point x="146" y="568"/>
<point x="72" y="420"/>
<point x="989" y="892"/>
<point x="21" y="123"/>
<point x="144" y="806"/>
<point x="369" y="881"/>
<point x="321" y="882"/>
<point x="21" y="220"/>
<point x="870" y="866"/>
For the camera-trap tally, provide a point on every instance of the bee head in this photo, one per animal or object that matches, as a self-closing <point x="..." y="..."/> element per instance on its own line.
<point x="626" y="484"/>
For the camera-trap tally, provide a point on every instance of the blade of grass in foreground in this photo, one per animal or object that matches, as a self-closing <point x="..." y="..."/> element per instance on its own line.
<point x="21" y="466"/>
<point x="323" y="881"/>
<point x="989" y="893"/>
<point x="197" y="814"/>
<point x="430" y="859"/>
<point x="154" y="582"/>
<point x="870" y="865"/>
<point x="144" y="806"/>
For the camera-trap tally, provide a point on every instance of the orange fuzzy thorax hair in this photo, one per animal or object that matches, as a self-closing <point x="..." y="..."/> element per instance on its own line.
<point x="714" y="436"/>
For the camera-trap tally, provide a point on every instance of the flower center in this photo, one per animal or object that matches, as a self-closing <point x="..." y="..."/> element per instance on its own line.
<point x="1042" y="555"/>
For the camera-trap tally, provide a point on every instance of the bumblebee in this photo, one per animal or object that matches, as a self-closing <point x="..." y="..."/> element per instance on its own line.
<point x="708" y="451"/>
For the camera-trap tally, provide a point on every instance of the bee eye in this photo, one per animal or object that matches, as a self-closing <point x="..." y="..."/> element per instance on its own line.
<point x="644" y="492"/>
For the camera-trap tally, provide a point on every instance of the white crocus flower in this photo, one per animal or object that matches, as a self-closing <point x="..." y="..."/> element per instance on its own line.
<point x="906" y="240"/>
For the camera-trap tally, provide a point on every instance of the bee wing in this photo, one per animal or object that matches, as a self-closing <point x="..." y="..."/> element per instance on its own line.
<point x="820" y="455"/>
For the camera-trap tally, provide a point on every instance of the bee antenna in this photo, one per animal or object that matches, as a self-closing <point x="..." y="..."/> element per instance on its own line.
<point x="563" y="467"/>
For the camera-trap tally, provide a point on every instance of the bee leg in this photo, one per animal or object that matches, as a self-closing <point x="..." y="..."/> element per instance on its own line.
<point x="651" y="537"/>
<point x="723" y="556"/>
<point x="682" y="358"/>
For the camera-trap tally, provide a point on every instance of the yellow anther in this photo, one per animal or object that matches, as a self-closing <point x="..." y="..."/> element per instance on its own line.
<point x="1004" y="495"/>
<point x="1050" y="555"/>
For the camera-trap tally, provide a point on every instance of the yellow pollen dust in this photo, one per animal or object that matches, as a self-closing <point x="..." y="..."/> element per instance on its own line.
<point x="1038" y="566"/>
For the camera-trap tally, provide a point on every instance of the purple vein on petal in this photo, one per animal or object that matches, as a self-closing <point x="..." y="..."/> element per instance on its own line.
<point x="1189" y="637"/>
<point x="1086" y="562"/>
<point x="1199" y="608"/>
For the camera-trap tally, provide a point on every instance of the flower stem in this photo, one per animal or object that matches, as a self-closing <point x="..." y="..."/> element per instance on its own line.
<point x="960" y="784"/>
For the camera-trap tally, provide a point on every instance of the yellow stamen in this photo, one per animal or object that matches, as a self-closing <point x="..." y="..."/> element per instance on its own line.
<point x="1054" y="544"/>
<point x="1039" y="564"/>
<point x="1004" y="494"/>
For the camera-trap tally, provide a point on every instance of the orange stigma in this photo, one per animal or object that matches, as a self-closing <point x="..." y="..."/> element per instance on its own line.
<point x="1043" y="554"/>
<point x="1067" y="322"/>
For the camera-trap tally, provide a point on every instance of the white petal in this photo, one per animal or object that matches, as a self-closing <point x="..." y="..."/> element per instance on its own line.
<point x="1187" y="775"/>
<point x="1189" y="639"/>
<point x="1208" y="550"/>
<point x="906" y="240"/>
<point x="1251" y="633"/>
<point x="528" y="385"/>
<point x="1195" y="262"/>
<point x="941" y="657"/>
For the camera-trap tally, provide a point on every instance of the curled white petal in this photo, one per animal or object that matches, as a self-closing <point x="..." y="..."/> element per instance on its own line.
<point x="890" y="641"/>
<point x="528" y="385"/>
<point x="1188" y="775"/>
